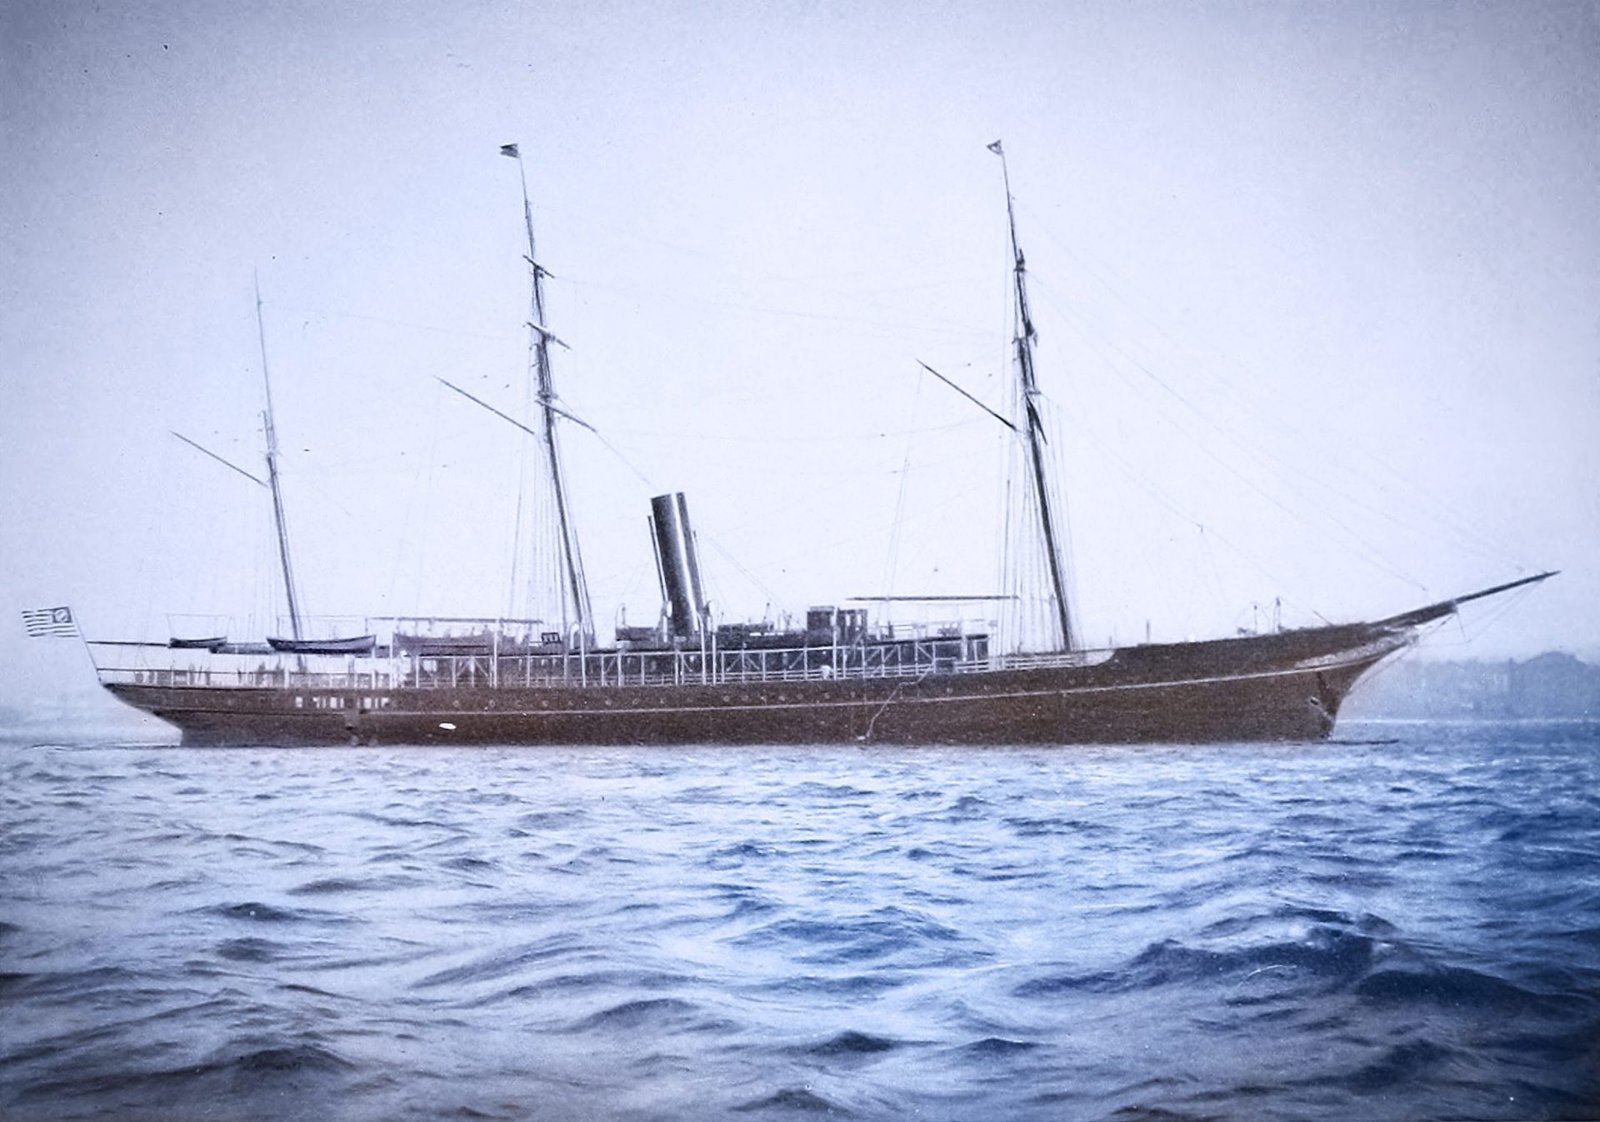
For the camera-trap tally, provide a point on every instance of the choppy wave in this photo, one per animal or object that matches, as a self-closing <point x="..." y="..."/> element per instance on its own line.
<point x="1399" y="929"/>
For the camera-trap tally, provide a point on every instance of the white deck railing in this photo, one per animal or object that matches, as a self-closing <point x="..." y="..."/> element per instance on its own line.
<point x="159" y="665"/>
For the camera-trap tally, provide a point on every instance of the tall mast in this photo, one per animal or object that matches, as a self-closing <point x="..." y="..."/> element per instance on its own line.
<point x="1035" y="428"/>
<point x="576" y="598"/>
<point x="272" y="477"/>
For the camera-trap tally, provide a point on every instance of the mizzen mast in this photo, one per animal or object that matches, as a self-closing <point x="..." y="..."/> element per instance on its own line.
<point x="272" y="479"/>
<point x="1035" y="428"/>
<point x="575" y="598"/>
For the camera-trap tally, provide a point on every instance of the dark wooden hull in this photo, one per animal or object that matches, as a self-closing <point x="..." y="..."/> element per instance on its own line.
<point x="1283" y="687"/>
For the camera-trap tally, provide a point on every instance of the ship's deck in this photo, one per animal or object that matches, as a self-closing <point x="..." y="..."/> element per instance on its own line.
<point x="384" y="668"/>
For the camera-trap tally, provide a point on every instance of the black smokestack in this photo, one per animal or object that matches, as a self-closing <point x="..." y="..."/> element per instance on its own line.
<point x="680" y="568"/>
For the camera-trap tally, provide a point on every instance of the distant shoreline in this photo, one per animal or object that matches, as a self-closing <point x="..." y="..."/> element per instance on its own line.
<point x="1548" y="686"/>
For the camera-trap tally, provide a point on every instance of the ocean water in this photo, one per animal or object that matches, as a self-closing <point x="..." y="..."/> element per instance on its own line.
<point x="1401" y="924"/>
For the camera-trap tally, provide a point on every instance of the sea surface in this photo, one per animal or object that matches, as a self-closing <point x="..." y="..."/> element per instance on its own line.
<point x="1400" y="924"/>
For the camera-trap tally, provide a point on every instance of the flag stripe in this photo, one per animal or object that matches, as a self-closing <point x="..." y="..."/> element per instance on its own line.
<point x="44" y="623"/>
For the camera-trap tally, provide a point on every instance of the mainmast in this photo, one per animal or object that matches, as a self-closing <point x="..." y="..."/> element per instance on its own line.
<point x="575" y="601"/>
<point x="272" y="478"/>
<point x="1035" y="428"/>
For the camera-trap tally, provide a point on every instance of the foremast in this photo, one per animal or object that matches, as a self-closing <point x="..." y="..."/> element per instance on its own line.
<point x="575" y="609"/>
<point x="1034" y="427"/>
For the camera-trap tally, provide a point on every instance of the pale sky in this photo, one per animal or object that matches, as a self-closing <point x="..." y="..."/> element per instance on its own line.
<point x="1318" y="290"/>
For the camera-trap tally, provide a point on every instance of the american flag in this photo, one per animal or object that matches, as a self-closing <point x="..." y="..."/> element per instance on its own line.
<point x="48" y="623"/>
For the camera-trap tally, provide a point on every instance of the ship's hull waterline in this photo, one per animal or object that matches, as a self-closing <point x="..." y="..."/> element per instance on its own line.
<point x="1270" y="688"/>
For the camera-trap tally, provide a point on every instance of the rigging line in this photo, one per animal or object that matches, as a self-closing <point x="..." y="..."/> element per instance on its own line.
<point x="1011" y="624"/>
<point x="856" y="541"/>
<point x="765" y="439"/>
<point x="1099" y="269"/>
<point x="1361" y="548"/>
<point x="1092" y="334"/>
<point x="821" y="473"/>
<point x="1225" y="385"/>
<point x="1208" y="533"/>
<point x="1055" y="452"/>
<point x="1142" y="308"/>
<point x="727" y="556"/>
<point x="966" y="395"/>
<point x="225" y="463"/>
<point x="1462" y="528"/>
<point x="732" y="305"/>
<point x="527" y="538"/>
<point x="1278" y="464"/>
<point x="340" y="313"/>
<point x="729" y="264"/>
<point x="1494" y="614"/>
<point x="525" y="484"/>
<point x="957" y="456"/>
<point x="1211" y="563"/>
<point x="632" y="583"/>
<point x="890" y="700"/>
<point x="1229" y="387"/>
<point x="423" y="482"/>
<point x="512" y="420"/>
<point x="624" y="461"/>
<point x="1463" y="635"/>
<point x="700" y="532"/>
<point x="892" y="561"/>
